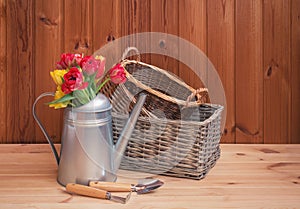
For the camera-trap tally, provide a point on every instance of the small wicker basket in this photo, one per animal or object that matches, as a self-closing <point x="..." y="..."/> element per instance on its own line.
<point x="177" y="134"/>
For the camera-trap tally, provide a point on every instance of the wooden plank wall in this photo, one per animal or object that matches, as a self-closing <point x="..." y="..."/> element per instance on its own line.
<point x="254" y="45"/>
<point x="249" y="72"/>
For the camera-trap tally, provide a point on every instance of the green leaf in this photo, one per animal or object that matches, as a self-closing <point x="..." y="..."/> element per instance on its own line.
<point x="63" y="99"/>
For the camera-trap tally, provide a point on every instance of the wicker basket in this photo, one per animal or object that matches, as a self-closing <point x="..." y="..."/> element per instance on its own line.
<point x="177" y="134"/>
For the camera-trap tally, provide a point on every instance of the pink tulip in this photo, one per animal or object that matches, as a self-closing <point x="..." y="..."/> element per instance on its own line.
<point x="90" y="65"/>
<point x="117" y="74"/>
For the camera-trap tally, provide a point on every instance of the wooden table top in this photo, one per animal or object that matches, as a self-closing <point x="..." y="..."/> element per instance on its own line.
<point x="246" y="176"/>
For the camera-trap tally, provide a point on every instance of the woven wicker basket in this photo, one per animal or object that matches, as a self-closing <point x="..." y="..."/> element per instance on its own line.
<point x="177" y="134"/>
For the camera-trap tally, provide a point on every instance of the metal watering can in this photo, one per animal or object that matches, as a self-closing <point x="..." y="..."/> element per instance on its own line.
<point x="87" y="150"/>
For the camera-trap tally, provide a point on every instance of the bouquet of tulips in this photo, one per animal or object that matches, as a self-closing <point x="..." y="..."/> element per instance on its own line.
<point x="79" y="78"/>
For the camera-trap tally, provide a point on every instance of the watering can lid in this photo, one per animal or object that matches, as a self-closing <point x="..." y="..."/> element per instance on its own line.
<point x="99" y="104"/>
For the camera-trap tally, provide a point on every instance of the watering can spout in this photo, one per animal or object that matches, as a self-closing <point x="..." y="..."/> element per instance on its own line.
<point x="127" y="131"/>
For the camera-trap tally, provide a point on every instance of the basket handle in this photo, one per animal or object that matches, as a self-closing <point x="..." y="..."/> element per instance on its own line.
<point x="184" y="103"/>
<point x="196" y="93"/>
<point x="131" y="48"/>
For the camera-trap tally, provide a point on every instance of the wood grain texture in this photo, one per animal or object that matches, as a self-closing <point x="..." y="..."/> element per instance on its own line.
<point x="193" y="28"/>
<point x="295" y="71"/>
<point x="28" y="180"/>
<point x="165" y="19"/>
<point x="78" y="26"/>
<point x="221" y="52"/>
<point x="48" y="47"/>
<point x="20" y="75"/>
<point x="3" y="71"/>
<point x="249" y="72"/>
<point x="135" y="16"/>
<point x="136" y="19"/>
<point x="277" y="72"/>
<point x="106" y="22"/>
<point x="253" y="44"/>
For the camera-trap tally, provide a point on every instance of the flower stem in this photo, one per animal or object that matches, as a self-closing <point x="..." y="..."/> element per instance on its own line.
<point x="102" y="84"/>
<point x="91" y="93"/>
<point x="86" y="95"/>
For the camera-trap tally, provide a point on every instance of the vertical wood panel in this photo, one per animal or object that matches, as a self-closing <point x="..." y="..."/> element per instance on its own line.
<point x="165" y="19"/>
<point x="221" y="52"/>
<point x="295" y="71"/>
<point x="249" y="72"/>
<point x="135" y="16"/>
<point x="48" y="35"/>
<point x="107" y="27"/>
<point x="3" y="71"/>
<point x="193" y="27"/>
<point x="78" y="25"/>
<point x="136" y="19"/>
<point x="106" y="22"/>
<point x="254" y="45"/>
<point x="277" y="83"/>
<point x="20" y="76"/>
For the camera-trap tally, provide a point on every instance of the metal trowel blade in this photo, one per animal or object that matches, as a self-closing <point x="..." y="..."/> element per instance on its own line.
<point x="148" y="185"/>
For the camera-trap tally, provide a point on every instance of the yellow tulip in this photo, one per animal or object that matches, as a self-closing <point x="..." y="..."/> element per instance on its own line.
<point x="57" y="76"/>
<point x="59" y="94"/>
<point x="99" y="57"/>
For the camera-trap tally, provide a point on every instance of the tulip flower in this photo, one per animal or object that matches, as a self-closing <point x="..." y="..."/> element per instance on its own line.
<point x="73" y="81"/>
<point x="117" y="74"/>
<point x="59" y="94"/>
<point x="68" y="60"/>
<point x="79" y="78"/>
<point x="57" y="76"/>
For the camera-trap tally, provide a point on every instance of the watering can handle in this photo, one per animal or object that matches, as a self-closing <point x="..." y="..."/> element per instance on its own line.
<point x="42" y="127"/>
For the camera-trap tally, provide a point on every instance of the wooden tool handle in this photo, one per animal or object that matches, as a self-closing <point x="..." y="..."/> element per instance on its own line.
<point x="86" y="191"/>
<point x="111" y="186"/>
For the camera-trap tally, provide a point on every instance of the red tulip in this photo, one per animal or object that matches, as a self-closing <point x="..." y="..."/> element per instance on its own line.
<point x="117" y="74"/>
<point x="73" y="80"/>
<point x="68" y="60"/>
